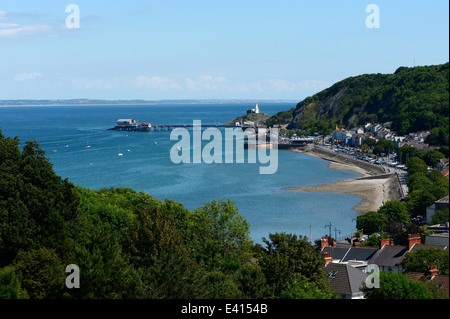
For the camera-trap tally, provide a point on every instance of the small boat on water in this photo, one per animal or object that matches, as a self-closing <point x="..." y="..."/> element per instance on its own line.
<point x="120" y="154"/>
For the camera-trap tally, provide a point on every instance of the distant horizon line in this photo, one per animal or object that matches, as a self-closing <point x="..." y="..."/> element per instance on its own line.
<point x="87" y="102"/>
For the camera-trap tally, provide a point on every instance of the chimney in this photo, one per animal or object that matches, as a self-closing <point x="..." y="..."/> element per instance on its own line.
<point x="334" y="242"/>
<point x="324" y="242"/>
<point x="356" y="243"/>
<point x="384" y="242"/>
<point x="327" y="257"/>
<point x="412" y="240"/>
<point x="432" y="270"/>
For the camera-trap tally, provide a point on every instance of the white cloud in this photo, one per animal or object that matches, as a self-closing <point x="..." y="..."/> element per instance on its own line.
<point x="11" y="28"/>
<point x="14" y="30"/>
<point x="220" y="83"/>
<point x="106" y="84"/>
<point x="27" y="76"/>
<point x="207" y="82"/>
<point x="155" y="83"/>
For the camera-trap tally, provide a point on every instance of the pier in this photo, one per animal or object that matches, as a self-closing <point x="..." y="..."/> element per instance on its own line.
<point x="132" y="125"/>
<point x="169" y="127"/>
<point x="162" y="127"/>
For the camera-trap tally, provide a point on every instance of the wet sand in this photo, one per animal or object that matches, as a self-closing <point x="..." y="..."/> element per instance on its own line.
<point x="374" y="188"/>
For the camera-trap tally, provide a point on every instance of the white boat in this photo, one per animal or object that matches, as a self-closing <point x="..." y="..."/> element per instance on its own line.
<point x="120" y="154"/>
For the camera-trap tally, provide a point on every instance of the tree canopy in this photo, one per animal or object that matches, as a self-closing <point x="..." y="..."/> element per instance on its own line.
<point x="128" y="244"/>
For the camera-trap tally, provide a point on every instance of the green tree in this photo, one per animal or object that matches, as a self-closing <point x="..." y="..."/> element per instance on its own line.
<point x="286" y="255"/>
<point x="419" y="260"/>
<point x="371" y="222"/>
<point x="157" y="248"/>
<point x="299" y="288"/>
<point x="406" y="152"/>
<point x="399" y="232"/>
<point x="369" y="143"/>
<point x="252" y="282"/>
<point x="440" y="217"/>
<point x="419" y="181"/>
<point x="416" y="165"/>
<point x="220" y="235"/>
<point x="42" y="273"/>
<point x="106" y="271"/>
<point x="397" y="286"/>
<point x="375" y="238"/>
<point x="384" y="146"/>
<point x="35" y="203"/>
<point x="432" y="157"/>
<point x="418" y="201"/>
<point x="10" y="285"/>
<point x="395" y="210"/>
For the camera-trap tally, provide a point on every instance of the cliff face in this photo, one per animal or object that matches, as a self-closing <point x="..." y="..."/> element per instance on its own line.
<point x="326" y="108"/>
<point x="412" y="98"/>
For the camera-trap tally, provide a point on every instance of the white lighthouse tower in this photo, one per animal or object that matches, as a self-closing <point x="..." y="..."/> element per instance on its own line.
<point x="256" y="109"/>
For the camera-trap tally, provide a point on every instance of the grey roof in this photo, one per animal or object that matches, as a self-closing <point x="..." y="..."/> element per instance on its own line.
<point x="345" y="279"/>
<point x="352" y="253"/>
<point x="389" y="255"/>
<point x="360" y="253"/>
<point x="336" y="253"/>
<point x="421" y="246"/>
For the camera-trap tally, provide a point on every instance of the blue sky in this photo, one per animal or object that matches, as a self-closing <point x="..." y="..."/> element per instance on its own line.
<point x="206" y="49"/>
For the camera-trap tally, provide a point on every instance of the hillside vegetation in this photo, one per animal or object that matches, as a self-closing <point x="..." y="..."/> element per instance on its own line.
<point x="128" y="244"/>
<point x="414" y="99"/>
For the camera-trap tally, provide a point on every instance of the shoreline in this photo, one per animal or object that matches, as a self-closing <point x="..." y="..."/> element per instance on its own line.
<point x="374" y="187"/>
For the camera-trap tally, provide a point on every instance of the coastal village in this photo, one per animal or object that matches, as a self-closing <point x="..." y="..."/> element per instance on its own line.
<point x="349" y="262"/>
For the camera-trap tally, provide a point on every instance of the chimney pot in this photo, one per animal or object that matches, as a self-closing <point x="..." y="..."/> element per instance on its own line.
<point x="384" y="242"/>
<point x="432" y="270"/>
<point x="413" y="239"/>
<point x="324" y="242"/>
<point x="327" y="257"/>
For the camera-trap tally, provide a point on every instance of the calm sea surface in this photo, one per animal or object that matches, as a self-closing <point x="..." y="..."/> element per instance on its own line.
<point x="146" y="165"/>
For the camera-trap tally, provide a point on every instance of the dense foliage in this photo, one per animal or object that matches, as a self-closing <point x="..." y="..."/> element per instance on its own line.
<point x="419" y="260"/>
<point x="413" y="99"/>
<point x="398" y="286"/>
<point x="128" y="244"/>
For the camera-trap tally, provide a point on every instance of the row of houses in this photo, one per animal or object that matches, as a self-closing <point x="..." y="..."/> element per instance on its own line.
<point x="357" y="136"/>
<point x="347" y="263"/>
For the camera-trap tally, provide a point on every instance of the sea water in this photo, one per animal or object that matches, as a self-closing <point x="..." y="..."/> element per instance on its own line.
<point x="77" y="142"/>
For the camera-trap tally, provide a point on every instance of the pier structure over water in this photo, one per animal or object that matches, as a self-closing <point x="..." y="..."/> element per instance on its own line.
<point x="132" y="125"/>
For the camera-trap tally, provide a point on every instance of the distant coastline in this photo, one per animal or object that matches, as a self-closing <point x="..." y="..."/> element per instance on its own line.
<point x="95" y="102"/>
<point x="375" y="187"/>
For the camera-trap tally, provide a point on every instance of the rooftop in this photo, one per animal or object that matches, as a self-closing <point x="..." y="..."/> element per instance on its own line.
<point x="443" y="200"/>
<point x="389" y="255"/>
<point x="345" y="279"/>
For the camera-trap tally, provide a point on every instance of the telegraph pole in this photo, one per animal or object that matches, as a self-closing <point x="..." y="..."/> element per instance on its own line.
<point x="329" y="226"/>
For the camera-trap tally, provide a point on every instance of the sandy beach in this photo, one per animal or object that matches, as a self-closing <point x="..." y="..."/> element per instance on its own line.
<point x="375" y="187"/>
